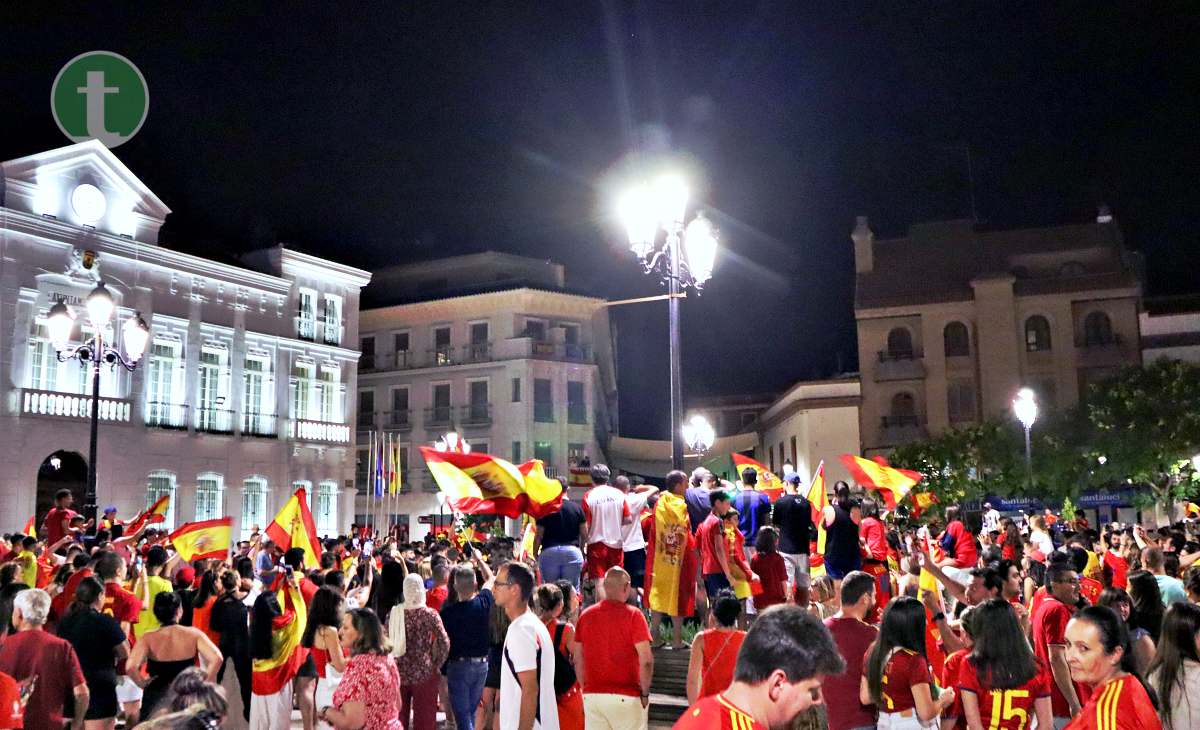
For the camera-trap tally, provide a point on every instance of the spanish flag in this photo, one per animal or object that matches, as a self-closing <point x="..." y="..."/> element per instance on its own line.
<point x="29" y="530"/>
<point x="480" y="484"/>
<point x="294" y="527"/>
<point x="893" y="484"/>
<point x="922" y="501"/>
<point x="671" y="558"/>
<point x="154" y="514"/>
<point x="767" y="481"/>
<point x="818" y="500"/>
<point x="207" y="539"/>
<point x="1190" y="509"/>
<point x="925" y="584"/>
<point x="581" y="476"/>
<point x="270" y="675"/>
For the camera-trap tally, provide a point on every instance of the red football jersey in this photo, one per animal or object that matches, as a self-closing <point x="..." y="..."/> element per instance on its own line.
<point x="716" y="713"/>
<point x="1121" y="704"/>
<point x="1118" y="567"/>
<point x="1090" y="589"/>
<point x="1004" y="709"/>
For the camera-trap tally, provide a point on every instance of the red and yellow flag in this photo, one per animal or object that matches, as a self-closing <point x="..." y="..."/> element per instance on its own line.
<point x="270" y="675"/>
<point x="294" y="527"/>
<point x="1191" y="509"/>
<point x="925" y="584"/>
<point x="893" y="484"/>
<point x="153" y="514"/>
<point x="481" y="484"/>
<point x="922" y="501"/>
<point x="768" y="483"/>
<point x="207" y="539"/>
<point x="581" y="476"/>
<point x="818" y="500"/>
<point x="671" y="558"/>
<point x="29" y="530"/>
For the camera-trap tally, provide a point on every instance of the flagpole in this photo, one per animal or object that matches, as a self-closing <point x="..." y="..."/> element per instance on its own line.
<point x="370" y="516"/>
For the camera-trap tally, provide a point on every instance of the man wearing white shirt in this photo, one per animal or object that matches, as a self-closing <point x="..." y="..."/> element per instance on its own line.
<point x="991" y="519"/>
<point x="632" y="539"/>
<point x="607" y="513"/>
<point x="527" y="698"/>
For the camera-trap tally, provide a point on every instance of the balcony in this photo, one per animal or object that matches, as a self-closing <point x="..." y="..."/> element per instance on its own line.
<point x="476" y="414"/>
<point x="71" y="405"/>
<point x="331" y="333"/>
<point x="577" y="414"/>
<point x="306" y="328"/>
<point x="560" y="351"/>
<point x="477" y="352"/>
<point x="543" y="412"/>
<point x="438" y="416"/>
<point x="214" y="420"/>
<point x="904" y="365"/>
<point x="397" y="420"/>
<point x="1103" y="353"/>
<point x="167" y="415"/>
<point x="262" y="425"/>
<point x="896" y="430"/>
<point x="367" y="421"/>
<point x="440" y="356"/>
<point x="306" y="430"/>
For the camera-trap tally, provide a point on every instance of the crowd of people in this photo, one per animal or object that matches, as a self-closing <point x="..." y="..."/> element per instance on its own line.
<point x="799" y="616"/>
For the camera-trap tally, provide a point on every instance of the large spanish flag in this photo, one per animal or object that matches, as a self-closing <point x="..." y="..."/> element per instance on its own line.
<point x="207" y="539"/>
<point x="270" y="675"/>
<point x="892" y="483"/>
<point x="294" y="527"/>
<point x="671" y="558"/>
<point x="154" y="514"/>
<point x="481" y="484"/>
<point x="818" y="500"/>
<point x="767" y="481"/>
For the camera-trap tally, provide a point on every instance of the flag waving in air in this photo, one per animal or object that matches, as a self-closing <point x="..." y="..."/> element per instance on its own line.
<point x="818" y="500"/>
<point x="294" y="527"/>
<point x="767" y="481"/>
<point x="207" y="539"/>
<point x="29" y="530"/>
<point x="480" y="484"/>
<point x="154" y="514"/>
<point x="893" y="484"/>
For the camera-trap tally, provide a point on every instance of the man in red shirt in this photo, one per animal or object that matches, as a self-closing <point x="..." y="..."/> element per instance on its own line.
<point x="1050" y="638"/>
<point x="34" y="652"/>
<point x="853" y="637"/>
<point x="710" y="539"/>
<point x="58" y="519"/>
<point x="784" y="660"/>
<point x="440" y="590"/>
<point x="612" y="657"/>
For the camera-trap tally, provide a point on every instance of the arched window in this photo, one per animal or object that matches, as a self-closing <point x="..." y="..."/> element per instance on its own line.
<point x="899" y="344"/>
<point x="956" y="340"/>
<point x="904" y="410"/>
<point x="210" y="496"/>
<point x="162" y="484"/>
<point x="1037" y="333"/>
<point x="1097" y="329"/>
<point x="326" y="515"/>
<point x="254" y="505"/>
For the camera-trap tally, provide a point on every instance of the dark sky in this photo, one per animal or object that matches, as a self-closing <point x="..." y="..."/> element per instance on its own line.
<point x="440" y="127"/>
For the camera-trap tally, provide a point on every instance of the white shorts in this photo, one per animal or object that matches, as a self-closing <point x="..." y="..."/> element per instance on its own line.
<point x="128" y="691"/>
<point x="797" y="569"/>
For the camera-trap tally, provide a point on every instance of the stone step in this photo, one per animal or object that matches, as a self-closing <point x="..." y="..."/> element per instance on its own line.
<point x="666" y="708"/>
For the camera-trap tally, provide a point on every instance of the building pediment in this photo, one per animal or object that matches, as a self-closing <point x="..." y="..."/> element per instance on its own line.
<point x="112" y="199"/>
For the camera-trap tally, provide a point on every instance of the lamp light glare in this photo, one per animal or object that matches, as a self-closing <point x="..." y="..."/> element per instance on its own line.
<point x="1025" y="407"/>
<point x="88" y="203"/>
<point x="698" y="433"/>
<point x="100" y="306"/>
<point x="700" y="245"/>
<point x="635" y="208"/>
<point x="59" y="324"/>
<point x="670" y="197"/>
<point x="136" y="334"/>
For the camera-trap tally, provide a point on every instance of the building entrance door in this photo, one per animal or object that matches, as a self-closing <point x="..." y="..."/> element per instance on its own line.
<point x="60" y="470"/>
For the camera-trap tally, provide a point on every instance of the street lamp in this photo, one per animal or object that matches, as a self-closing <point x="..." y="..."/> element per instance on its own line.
<point x="94" y="352"/>
<point x="685" y="259"/>
<point x="698" y="434"/>
<point x="1025" y="406"/>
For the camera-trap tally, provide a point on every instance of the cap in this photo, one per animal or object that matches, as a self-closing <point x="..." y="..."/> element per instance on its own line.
<point x="791" y="476"/>
<point x="109" y="509"/>
<point x="186" y="574"/>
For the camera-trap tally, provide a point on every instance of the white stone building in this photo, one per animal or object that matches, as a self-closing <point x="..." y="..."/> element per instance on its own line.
<point x="241" y="394"/>
<point x="812" y="421"/>
<point x="492" y="346"/>
<point x="1170" y="329"/>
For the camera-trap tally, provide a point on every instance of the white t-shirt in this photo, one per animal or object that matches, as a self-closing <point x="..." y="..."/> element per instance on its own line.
<point x="528" y="645"/>
<point x="605" y="509"/>
<point x="1042" y="542"/>
<point x="631" y="534"/>
<point x="991" y="520"/>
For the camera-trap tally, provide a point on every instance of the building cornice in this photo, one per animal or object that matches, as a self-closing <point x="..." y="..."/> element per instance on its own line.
<point x="514" y="295"/>
<point x="302" y="264"/>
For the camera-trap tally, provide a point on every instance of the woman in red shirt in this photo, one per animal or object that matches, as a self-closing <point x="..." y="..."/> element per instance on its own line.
<point x="1001" y="681"/>
<point x="896" y="676"/>
<point x="1099" y="656"/>
<point x="549" y="604"/>
<point x="715" y="650"/>
<point x="768" y="565"/>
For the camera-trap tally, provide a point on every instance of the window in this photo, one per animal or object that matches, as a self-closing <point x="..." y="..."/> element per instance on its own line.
<point x="956" y="339"/>
<point x="479" y="407"/>
<point x="543" y="403"/>
<point x="211" y="414"/>
<point x="330" y="388"/>
<point x="399" y="414"/>
<point x="210" y="501"/>
<point x="576" y="453"/>
<point x="576" y="402"/>
<point x="960" y="401"/>
<point x="1037" y="334"/>
<point x="903" y="412"/>
<point x="43" y="364"/>
<point x="366" y="345"/>
<point x="795" y="463"/>
<point x="366" y="408"/>
<point x="362" y="463"/>
<point x="479" y="347"/>
<point x="544" y="452"/>
<point x="535" y="329"/>
<point x="162" y="484"/>
<point x="899" y="344"/>
<point x="440" y="412"/>
<point x="401" y="348"/>
<point x="302" y="390"/>
<point x="570" y="333"/>
<point x="325" y="514"/>
<point x="306" y="314"/>
<point x="1097" y="330"/>
<point x="516" y="390"/>
<point x="164" y="385"/>
<point x="516" y="452"/>
<point x="254" y="505"/>
<point x="258" y="395"/>
<point x="333" y="319"/>
<point x="441" y="346"/>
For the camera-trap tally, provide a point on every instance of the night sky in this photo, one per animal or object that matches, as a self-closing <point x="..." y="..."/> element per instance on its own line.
<point x="436" y="128"/>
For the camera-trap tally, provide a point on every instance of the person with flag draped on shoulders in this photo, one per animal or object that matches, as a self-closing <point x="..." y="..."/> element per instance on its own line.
<point x="276" y="626"/>
<point x="672" y="561"/>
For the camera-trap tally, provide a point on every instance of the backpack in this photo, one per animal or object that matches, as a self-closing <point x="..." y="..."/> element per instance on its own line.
<point x="564" y="672"/>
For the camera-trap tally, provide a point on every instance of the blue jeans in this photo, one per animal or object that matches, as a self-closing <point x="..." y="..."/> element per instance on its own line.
<point x="561" y="562"/>
<point x="464" y="680"/>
